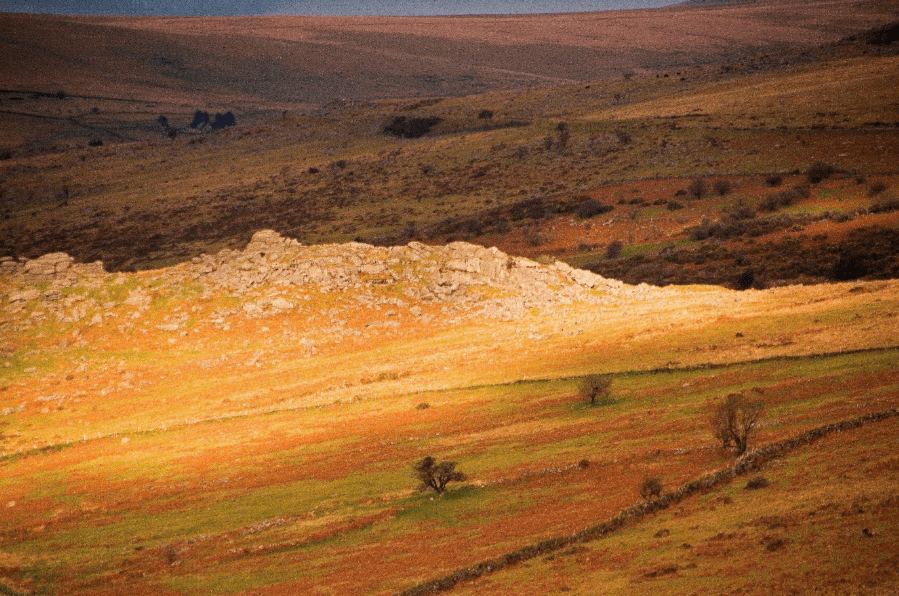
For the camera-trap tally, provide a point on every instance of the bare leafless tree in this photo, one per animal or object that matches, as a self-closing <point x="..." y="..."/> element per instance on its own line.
<point x="594" y="386"/>
<point x="733" y="419"/>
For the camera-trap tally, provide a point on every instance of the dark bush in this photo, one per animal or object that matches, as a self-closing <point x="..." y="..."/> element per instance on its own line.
<point x="410" y="128"/>
<point x="532" y="238"/>
<point x="756" y="483"/>
<point x="698" y="188"/>
<point x="423" y="406"/>
<point x="471" y="226"/>
<point x="742" y="212"/>
<point x="818" y="172"/>
<point x="312" y="170"/>
<point x="96" y="142"/>
<point x="436" y="476"/>
<point x="485" y="114"/>
<point x="223" y="120"/>
<point x="528" y="209"/>
<point x="650" y="487"/>
<point x="722" y="187"/>
<point x="784" y="198"/>
<point x="614" y="249"/>
<point x="745" y="280"/>
<point x="200" y="118"/>
<point x="876" y="188"/>
<point x="774" y="180"/>
<point x="583" y="464"/>
<point x="591" y="208"/>
<point x="885" y="206"/>
<point x="623" y="137"/>
<point x="674" y="206"/>
<point x="700" y="232"/>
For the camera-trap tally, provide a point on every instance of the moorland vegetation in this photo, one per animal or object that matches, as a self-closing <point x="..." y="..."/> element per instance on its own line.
<point x="253" y="353"/>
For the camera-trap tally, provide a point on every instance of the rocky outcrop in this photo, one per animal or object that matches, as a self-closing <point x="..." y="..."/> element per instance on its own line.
<point x="57" y="268"/>
<point x="271" y="258"/>
<point x="460" y="274"/>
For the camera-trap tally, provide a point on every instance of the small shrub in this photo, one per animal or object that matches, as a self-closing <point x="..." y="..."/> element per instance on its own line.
<point x="591" y="208"/>
<point x="410" y="128"/>
<point x="169" y="555"/>
<point x="887" y="205"/>
<point x="564" y="137"/>
<point x="435" y="476"/>
<point x="722" y="187"/>
<point x="774" y="180"/>
<point x="200" y="118"/>
<point x="423" y="406"/>
<point x="533" y="208"/>
<point x="472" y="227"/>
<point x="745" y="280"/>
<point x="485" y="114"/>
<point x="614" y="249"/>
<point x="756" y="483"/>
<point x="698" y="188"/>
<point x="583" y="464"/>
<point x="818" y="172"/>
<point x="674" y="206"/>
<point x="876" y="188"/>
<point x="596" y="386"/>
<point x="623" y="137"/>
<point x="651" y="487"/>
<point x="312" y="170"/>
<point x="223" y="121"/>
<point x="96" y="142"/>
<point x="784" y="198"/>
<point x="532" y="238"/>
<point x="742" y="212"/>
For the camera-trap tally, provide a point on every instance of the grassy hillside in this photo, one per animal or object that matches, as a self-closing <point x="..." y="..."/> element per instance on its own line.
<point x="164" y="434"/>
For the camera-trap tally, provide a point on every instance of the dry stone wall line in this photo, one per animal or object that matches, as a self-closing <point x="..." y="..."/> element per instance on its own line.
<point x="745" y="464"/>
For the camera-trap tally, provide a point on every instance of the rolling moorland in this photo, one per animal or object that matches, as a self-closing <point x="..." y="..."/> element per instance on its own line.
<point x="293" y="310"/>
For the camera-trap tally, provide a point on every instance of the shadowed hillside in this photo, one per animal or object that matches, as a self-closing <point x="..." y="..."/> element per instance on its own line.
<point x="291" y="61"/>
